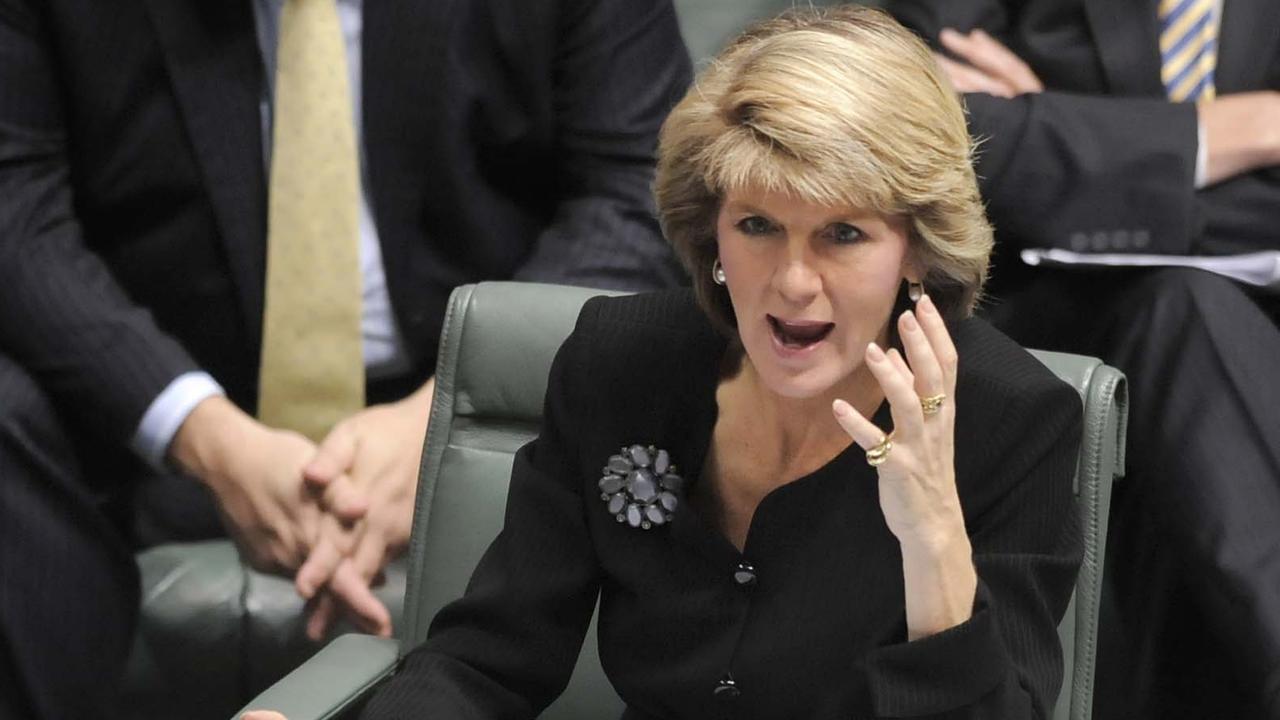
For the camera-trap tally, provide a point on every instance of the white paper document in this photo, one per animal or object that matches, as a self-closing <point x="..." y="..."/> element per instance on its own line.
<point x="1257" y="268"/>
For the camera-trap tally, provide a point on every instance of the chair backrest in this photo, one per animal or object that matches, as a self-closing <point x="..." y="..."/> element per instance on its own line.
<point x="708" y="24"/>
<point x="1103" y="390"/>
<point x="495" y="353"/>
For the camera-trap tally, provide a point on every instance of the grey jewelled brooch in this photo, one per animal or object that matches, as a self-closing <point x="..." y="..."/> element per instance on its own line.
<point x="640" y="486"/>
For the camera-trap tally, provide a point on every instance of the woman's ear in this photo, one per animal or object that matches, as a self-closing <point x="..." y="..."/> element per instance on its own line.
<point x="912" y="269"/>
<point x="913" y="274"/>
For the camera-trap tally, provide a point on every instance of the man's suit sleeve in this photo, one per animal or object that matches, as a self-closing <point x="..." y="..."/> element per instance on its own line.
<point x="1075" y="171"/>
<point x="620" y="66"/>
<point x="63" y="316"/>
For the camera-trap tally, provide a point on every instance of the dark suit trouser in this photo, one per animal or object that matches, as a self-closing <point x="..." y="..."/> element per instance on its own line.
<point x="68" y="582"/>
<point x="1192" y="622"/>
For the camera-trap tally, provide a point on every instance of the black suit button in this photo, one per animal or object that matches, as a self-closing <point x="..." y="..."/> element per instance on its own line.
<point x="727" y="690"/>
<point x="744" y="575"/>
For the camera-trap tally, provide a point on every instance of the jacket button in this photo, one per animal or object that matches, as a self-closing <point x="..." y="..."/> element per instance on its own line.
<point x="744" y="575"/>
<point x="727" y="689"/>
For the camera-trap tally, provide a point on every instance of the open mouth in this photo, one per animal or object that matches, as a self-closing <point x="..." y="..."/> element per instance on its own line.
<point x="798" y="334"/>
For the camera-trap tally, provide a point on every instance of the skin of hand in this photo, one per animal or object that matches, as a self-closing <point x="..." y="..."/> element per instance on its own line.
<point x="374" y="455"/>
<point x="255" y="473"/>
<point x="1242" y="132"/>
<point x="917" y="480"/>
<point x="985" y="65"/>
<point x="262" y="715"/>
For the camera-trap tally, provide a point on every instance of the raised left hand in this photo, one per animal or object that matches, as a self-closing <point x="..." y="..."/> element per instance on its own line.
<point x="985" y="65"/>
<point x="917" y="478"/>
<point x="379" y="449"/>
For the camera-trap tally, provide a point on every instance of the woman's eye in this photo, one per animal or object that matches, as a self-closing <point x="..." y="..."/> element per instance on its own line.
<point x="844" y="234"/>
<point x="755" y="225"/>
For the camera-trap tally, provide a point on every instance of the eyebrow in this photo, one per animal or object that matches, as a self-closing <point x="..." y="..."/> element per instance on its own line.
<point x="848" y="215"/>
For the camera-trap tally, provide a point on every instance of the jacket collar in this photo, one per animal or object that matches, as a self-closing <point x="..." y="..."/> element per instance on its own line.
<point x="1127" y="37"/>
<point x="216" y="70"/>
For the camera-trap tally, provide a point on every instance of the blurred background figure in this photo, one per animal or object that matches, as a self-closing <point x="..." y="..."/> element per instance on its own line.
<point x="226" y="228"/>
<point x="1149" y="127"/>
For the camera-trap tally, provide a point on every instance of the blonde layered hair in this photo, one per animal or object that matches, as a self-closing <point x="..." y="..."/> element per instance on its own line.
<point x="840" y="107"/>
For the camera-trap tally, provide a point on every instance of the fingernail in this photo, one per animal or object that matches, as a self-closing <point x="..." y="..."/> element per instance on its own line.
<point x="925" y="304"/>
<point x="909" y="321"/>
<point x="840" y="408"/>
<point x="948" y="34"/>
<point x="874" y="352"/>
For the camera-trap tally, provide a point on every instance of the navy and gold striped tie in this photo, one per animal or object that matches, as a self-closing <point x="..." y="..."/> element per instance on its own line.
<point x="1188" y="48"/>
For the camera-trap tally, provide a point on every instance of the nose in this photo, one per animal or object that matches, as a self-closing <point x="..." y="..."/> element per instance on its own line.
<point x="796" y="280"/>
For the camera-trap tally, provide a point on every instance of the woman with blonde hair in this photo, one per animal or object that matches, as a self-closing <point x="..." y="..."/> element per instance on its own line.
<point x="750" y="560"/>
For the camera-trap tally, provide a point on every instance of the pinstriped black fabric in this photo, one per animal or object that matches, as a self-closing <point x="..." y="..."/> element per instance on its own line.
<point x="68" y="584"/>
<point x="63" y="316"/>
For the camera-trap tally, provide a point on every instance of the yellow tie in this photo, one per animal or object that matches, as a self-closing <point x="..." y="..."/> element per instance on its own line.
<point x="1188" y="48"/>
<point x="312" y="371"/>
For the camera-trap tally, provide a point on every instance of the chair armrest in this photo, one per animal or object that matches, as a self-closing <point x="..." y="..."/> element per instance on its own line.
<point x="332" y="681"/>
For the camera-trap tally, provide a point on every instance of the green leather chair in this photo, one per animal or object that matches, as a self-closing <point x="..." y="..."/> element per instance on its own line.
<point x="214" y="632"/>
<point x="496" y="351"/>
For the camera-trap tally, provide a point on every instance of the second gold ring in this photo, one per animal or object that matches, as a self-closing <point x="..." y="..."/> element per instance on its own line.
<point x="932" y="404"/>
<point x="878" y="453"/>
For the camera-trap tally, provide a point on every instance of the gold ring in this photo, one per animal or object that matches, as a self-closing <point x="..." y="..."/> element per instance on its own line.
<point x="932" y="404"/>
<point x="880" y="451"/>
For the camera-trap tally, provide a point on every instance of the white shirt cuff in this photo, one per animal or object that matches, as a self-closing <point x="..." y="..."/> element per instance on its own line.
<point x="1202" y="157"/>
<point x="168" y="411"/>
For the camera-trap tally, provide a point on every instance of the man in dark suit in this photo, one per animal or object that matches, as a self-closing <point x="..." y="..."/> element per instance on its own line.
<point x="1149" y="126"/>
<point x="497" y="139"/>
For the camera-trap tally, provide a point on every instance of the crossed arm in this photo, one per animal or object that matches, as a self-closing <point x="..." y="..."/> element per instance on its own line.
<point x="1056" y="163"/>
<point x="1241" y="131"/>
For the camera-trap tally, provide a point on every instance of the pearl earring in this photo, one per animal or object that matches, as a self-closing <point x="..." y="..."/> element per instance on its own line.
<point x="717" y="272"/>
<point x="915" y="290"/>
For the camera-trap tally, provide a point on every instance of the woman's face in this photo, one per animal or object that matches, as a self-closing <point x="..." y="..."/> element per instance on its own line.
<point x="811" y="285"/>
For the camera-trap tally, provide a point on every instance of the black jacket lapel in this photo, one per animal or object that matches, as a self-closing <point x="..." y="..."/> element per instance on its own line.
<point x="217" y="75"/>
<point x="1248" y="45"/>
<point x="406" y="51"/>
<point x="1127" y="37"/>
